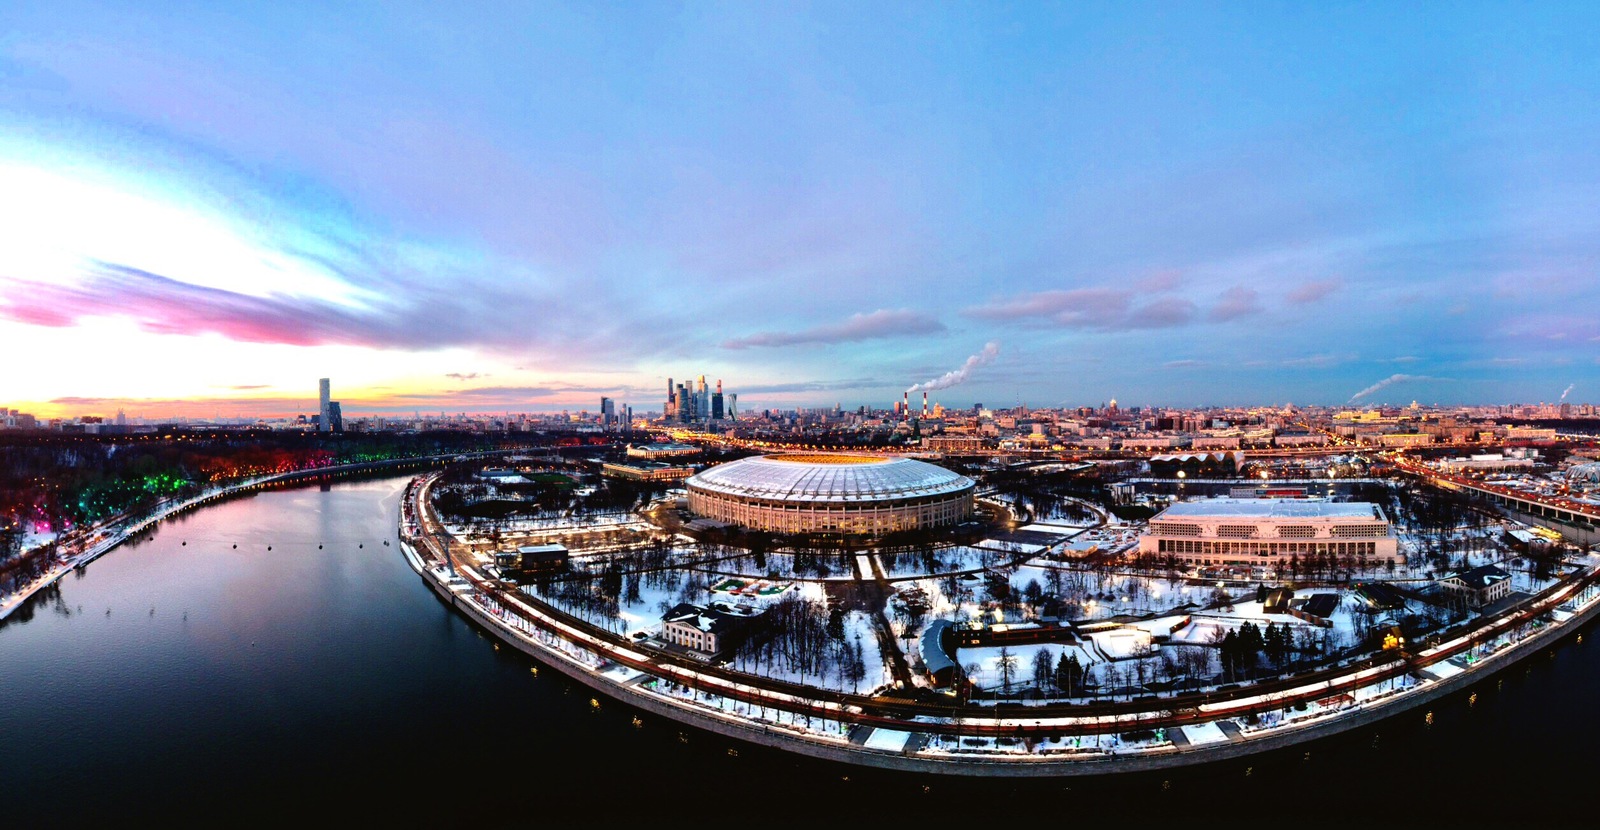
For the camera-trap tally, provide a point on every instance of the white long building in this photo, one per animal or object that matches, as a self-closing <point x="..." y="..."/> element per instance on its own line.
<point x="1269" y="531"/>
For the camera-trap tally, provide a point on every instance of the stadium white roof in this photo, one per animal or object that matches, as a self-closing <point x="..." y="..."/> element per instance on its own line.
<point x="1271" y="509"/>
<point x="817" y="477"/>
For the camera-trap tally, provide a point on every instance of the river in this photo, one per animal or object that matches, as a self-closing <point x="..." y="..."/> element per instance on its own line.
<point x="184" y="678"/>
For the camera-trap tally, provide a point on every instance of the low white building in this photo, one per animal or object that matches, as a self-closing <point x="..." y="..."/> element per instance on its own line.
<point x="652" y="452"/>
<point x="709" y="630"/>
<point x="1482" y="463"/>
<point x="1247" y="532"/>
<point x="1479" y="586"/>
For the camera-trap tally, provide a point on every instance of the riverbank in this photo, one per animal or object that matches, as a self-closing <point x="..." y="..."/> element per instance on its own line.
<point x="121" y="530"/>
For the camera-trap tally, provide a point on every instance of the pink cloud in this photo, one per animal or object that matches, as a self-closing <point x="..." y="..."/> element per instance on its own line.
<point x="1238" y="301"/>
<point x="424" y="315"/>
<point x="1100" y="308"/>
<point x="877" y="324"/>
<point x="1313" y="291"/>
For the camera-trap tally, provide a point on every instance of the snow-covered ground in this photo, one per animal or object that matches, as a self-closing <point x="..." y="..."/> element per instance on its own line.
<point x="990" y="677"/>
<point x="859" y="628"/>
<point x="956" y="558"/>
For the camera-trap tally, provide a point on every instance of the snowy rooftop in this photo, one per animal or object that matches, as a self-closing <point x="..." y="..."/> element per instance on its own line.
<point x="818" y="477"/>
<point x="1271" y="509"/>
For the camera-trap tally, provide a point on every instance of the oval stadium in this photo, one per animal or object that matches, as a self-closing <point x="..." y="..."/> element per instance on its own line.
<point x="824" y="493"/>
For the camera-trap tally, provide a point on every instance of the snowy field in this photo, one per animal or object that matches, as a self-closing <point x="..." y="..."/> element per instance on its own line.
<point x="990" y="676"/>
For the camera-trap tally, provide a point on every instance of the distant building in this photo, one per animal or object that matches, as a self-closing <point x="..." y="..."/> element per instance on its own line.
<point x="532" y="559"/>
<point x="324" y="417"/>
<point x="1485" y="463"/>
<point x="1197" y="464"/>
<point x="1273" y="492"/>
<point x="608" y="411"/>
<point x="1405" y="439"/>
<point x="646" y="471"/>
<point x="955" y="444"/>
<point x="335" y="417"/>
<point x="654" y="452"/>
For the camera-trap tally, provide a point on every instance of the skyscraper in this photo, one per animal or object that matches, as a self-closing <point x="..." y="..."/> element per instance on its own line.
<point x="608" y="411"/>
<point x="324" y="417"/>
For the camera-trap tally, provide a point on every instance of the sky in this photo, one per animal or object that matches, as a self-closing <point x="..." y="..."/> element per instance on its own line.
<point x="206" y="207"/>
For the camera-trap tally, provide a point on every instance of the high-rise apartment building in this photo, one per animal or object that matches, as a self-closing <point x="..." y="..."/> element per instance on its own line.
<point x="324" y="416"/>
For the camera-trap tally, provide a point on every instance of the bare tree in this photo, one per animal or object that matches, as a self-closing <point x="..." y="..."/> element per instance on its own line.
<point x="1007" y="666"/>
<point x="1044" y="671"/>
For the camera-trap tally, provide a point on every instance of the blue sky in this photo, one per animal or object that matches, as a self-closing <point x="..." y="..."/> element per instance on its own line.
<point x="207" y="206"/>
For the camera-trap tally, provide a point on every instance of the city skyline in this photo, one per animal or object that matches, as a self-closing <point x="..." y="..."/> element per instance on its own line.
<point x="1171" y="206"/>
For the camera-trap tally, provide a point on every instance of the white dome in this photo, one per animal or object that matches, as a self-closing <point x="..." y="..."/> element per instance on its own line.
<point x="829" y="478"/>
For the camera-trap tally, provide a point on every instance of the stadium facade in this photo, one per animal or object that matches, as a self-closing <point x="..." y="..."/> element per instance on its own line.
<point x="827" y="493"/>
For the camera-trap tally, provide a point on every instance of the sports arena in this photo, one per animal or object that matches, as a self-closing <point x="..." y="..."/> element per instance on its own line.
<point x="824" y="493"/>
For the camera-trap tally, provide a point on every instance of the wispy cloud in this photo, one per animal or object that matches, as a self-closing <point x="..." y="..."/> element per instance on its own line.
<point x="1183" y="364"/>
<point x="809" y="386"/>
<point x="420" y="315"/>
<point x="1099" y="308"/>
<point x="464" y="375"/>
<point x="1313" y="291"/>
<point x="1320" y="361"/>
<point x="870" y="326"/>
<point x="1238" y="301"/>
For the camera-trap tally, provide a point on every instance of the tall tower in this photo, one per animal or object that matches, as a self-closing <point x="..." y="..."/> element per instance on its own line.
<point x="324" y="416"/>
<point x="924" y="405"/>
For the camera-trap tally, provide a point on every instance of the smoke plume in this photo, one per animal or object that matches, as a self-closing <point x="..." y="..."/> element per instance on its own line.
<point x="1386" y="382"/>
<point x="955" y="377"/>
<point x="1565" y="392"/>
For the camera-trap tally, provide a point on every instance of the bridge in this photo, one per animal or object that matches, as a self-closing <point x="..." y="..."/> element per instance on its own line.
<point x="1585" y="515"/>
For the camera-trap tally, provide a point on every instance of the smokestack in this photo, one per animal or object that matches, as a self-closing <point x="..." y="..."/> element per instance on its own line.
<point x="907" y="403"/>
<point x="924" y="405"/>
